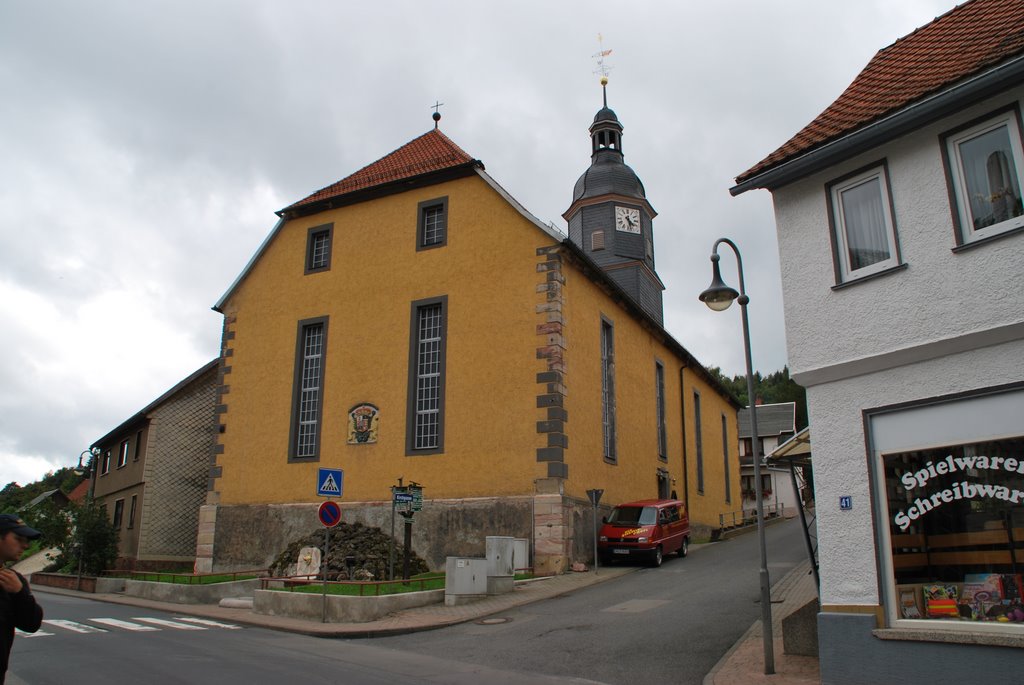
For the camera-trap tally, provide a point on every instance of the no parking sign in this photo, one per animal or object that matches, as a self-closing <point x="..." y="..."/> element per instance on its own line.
<point x="329" y="514"/>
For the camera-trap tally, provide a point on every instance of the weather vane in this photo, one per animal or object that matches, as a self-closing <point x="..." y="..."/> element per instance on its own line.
<point x="602" y="68"/>
<point x="436" y="115"/>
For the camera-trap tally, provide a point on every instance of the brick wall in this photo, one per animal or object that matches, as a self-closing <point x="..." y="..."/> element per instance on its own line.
<point x="181" y="438"/>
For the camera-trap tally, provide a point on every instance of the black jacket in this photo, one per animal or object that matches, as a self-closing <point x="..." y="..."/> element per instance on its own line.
<point x="17" y="610"/>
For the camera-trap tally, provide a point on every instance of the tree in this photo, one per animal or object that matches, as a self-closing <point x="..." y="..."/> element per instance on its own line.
<point x="53" y="522"/>
<point x="93" y="543"/>
<point x="774" y="388"/>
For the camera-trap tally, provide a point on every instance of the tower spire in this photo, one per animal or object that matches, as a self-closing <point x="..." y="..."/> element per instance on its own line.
<point x="602" y="68"/>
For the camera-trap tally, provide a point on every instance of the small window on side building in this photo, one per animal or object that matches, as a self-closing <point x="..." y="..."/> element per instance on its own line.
<point x="983" y="167"/>
<point x="863" y="229"/>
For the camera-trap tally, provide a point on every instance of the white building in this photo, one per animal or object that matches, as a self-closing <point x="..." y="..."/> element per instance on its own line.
<point x="901" y="237"/>
<point x="776" y="423"/>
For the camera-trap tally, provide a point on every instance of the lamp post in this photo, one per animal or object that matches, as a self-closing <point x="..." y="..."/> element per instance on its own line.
<point x="718" y="296"/>
<point x="94" y="454"/>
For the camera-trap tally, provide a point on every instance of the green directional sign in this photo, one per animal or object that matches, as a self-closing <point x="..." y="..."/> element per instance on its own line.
<point x="417" y="498"/>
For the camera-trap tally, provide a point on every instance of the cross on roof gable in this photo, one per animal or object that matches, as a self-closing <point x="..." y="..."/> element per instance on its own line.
<point x="971" y="37"/>
<point x="433" y="151"/>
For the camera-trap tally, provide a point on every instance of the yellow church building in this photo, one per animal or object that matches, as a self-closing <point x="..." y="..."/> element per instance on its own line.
<point x="414" y="323"/>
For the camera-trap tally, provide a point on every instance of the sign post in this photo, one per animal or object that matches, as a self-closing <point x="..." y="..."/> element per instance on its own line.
<point x="329" y="514"/>
<point x="595" y="497"/>
<point x="329" y="483"/>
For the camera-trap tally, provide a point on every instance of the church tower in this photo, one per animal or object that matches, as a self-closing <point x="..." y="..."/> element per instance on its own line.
<point x="610" y="217"/>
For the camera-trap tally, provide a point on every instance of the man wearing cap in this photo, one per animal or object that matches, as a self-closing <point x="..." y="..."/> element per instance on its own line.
<point x="18" y="608"/>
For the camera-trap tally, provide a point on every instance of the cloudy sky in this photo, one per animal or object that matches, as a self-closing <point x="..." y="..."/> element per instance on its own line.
<point x="144" y="147"/>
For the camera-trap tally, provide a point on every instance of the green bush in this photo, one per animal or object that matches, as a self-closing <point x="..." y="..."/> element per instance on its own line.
<point x="92" y="545"/>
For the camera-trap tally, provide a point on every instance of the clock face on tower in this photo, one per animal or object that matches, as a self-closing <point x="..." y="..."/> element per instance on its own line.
<point x="627" y="219"/>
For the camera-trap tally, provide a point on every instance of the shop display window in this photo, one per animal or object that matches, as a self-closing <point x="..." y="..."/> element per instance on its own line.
<point x="956" y="529"/>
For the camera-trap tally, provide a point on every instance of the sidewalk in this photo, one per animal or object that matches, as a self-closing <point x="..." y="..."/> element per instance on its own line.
<point x="743" y="663"/>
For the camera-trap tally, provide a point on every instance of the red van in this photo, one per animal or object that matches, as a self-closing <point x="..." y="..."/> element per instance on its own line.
<point x="649" y="529"/>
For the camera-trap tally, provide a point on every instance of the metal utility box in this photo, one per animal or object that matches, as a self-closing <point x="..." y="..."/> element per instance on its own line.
<point x="520" y="555"/>
<point x="500" y="577"/>
<point x="465" y="580"/>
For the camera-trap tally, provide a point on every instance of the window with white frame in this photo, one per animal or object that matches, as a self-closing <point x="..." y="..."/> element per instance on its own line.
<point x="863" y="229"/>
<point x="983" y="166"/>
<point x="122" y="454"/>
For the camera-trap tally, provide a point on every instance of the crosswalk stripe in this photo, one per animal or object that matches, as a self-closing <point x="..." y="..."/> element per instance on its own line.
<point x="167" y="624"/>
<point x="126" y="625"/>
<point x="39" y="633"/>
<point x="208" y="622"/>
<point x="73" y="626"/>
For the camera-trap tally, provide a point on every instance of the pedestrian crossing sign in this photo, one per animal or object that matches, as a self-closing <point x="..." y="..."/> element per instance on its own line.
<point x="330" y="482"/>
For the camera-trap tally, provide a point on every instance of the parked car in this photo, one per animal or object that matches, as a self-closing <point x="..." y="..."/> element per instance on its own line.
<point x="646" y="529"/>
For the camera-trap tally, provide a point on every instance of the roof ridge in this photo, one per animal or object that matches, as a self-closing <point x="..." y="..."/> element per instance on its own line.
<point x="431" y="151"/>
<point x="952" y="47"/>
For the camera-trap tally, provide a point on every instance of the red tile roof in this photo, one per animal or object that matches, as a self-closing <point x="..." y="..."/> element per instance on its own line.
<point x="80" y="491"/>
<point x="433" y="151"/>
<point x="958" y="44"/>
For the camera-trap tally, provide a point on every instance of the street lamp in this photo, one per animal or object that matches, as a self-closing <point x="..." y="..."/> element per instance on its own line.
<point x="718" y="297"/>
<point x="94" y="454"/>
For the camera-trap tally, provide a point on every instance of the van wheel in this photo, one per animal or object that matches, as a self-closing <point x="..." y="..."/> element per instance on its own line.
<point x="684" y="548"/>
<point x="656" y="561"/>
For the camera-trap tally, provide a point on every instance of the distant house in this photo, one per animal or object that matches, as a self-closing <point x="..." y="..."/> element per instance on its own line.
<point x="80" y="492"/>
<point x="901" y="234"/>
<point x="151" y="473"/>
<point x="57" y="496"/>
<point x="776" y="423"/>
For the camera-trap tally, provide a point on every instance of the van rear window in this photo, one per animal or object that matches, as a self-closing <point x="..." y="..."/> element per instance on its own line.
<point x="633" y="516"/>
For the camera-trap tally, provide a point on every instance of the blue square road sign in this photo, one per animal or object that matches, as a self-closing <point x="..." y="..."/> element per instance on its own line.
<point x="330" y="482"/>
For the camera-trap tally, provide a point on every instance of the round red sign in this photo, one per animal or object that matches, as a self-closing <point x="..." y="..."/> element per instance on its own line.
<point x="329" y="514"/>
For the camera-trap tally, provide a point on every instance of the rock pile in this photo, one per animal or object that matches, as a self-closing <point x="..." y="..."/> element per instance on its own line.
<point x="369" y="548"/>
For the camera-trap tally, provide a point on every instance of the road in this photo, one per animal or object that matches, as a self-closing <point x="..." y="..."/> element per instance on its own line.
<point x="666" y="625"/>
<point x="670" y="624"/>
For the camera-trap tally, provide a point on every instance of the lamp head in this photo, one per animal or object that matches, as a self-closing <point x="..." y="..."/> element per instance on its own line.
<point x="718" y="296"/>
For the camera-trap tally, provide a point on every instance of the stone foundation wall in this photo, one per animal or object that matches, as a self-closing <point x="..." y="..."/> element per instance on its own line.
<point x="251" y="536"/>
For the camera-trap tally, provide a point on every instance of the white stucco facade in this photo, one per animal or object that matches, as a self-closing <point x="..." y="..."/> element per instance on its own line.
<point x="900" y="218"/>
<point x="944" y="323"/>
<point x="938" y="297"/>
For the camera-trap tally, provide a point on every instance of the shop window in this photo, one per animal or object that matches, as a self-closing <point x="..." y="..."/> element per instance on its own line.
<point x="983" y="163"/>
<point x="956" y="531"/>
